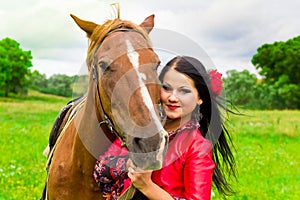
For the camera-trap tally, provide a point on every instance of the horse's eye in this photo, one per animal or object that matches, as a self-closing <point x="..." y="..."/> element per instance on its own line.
<point x="104" y="66"/>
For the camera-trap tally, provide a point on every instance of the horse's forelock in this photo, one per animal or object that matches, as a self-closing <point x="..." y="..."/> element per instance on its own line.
<point x="101" y="31"/>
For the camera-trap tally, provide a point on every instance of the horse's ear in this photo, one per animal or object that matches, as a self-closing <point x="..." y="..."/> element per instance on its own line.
<point x="87" y="26"/>
<point x="148" y="23"/>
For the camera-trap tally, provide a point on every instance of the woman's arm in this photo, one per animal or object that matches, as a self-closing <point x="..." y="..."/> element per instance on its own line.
<point x="198" y="171"/>
<point x="142" y="181"/>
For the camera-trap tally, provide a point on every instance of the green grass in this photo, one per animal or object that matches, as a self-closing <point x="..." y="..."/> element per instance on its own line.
<point x="267" y="145"/>
<point x="25" y="127"/>
<point x="267" y="154"/>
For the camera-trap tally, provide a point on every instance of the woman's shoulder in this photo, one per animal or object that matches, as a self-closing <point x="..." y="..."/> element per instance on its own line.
<point x="198" y="144"/>
<point x="195" y="135"/>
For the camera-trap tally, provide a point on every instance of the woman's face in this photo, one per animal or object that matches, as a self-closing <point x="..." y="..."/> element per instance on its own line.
<point x="179" y="96"/>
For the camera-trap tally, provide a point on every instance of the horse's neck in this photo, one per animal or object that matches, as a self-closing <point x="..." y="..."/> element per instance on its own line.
<point x="92" y="137"/>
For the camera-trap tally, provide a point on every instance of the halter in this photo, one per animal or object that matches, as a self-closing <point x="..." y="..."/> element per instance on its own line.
<point x="107" y="121"/>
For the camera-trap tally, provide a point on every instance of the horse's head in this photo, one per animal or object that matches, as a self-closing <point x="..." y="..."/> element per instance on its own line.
<point x="123" y="64"/>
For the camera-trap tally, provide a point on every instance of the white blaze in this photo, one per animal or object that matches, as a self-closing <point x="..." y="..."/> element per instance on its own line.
<point x="134" y="59"/>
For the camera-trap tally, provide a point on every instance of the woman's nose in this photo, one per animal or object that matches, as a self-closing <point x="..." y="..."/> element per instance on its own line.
<point x="173" y="97"/>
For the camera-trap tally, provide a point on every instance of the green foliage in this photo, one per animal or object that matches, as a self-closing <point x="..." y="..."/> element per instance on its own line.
<point x="14" y="67"/>
<point x="263" y="96"/>
<point x="240" y="87"/>
<point x="244" y="89"/>
<point x="80" y="86"/>
<point x="279" y="63"/>
<point x="16" y="77"/>
<point x="58" y="84"/>
<point x="37" y="80"/>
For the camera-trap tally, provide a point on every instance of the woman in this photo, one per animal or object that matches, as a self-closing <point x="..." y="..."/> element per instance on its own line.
<point x="198" y="140"/>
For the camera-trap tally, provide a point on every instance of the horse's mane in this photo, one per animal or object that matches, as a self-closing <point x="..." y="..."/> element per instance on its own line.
<point x="101" y="31"/>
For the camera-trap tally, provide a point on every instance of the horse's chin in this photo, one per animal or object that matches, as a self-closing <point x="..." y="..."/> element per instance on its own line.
<point x="146" y="161"/>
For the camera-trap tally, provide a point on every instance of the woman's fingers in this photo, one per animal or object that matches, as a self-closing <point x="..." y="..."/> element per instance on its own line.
<point x="130" y="166"/>
<point x="131" y="170"/>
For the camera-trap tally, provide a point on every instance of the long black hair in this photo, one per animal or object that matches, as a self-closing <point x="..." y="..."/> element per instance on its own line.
<point x="211" y="122"/>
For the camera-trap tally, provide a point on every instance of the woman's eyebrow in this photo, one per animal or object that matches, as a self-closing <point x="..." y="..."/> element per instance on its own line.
<point x="166" y="83"/>
<point x="185" y="87"/>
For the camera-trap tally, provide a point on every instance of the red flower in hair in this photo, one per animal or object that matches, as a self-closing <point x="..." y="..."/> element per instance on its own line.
<point x="215" y="82"/>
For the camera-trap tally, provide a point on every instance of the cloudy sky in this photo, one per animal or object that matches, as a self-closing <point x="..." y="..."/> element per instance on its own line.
<point x="227" y="31"/>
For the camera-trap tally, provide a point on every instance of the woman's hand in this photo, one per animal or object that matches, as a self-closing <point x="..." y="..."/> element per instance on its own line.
<point x="140" y="179"/>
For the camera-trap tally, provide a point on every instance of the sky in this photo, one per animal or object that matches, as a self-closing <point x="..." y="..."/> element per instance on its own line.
<point x="226" y="32"/>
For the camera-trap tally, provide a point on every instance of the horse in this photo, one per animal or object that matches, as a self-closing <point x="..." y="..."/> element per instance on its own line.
<point x="122" y="100"/>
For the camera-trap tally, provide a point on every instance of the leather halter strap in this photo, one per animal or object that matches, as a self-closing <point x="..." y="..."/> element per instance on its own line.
<point x="106" y="120"/>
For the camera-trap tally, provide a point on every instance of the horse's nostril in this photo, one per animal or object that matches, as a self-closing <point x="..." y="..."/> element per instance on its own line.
<point x="137" y="143"/>
<point x="136" y="140"/>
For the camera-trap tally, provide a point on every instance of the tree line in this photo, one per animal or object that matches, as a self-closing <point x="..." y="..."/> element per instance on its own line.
<point x="57" y="84"/>
<point x="278" y="64"/>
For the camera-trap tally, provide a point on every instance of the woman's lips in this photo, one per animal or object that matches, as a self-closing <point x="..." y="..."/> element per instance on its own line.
<point x="172" y="107"/>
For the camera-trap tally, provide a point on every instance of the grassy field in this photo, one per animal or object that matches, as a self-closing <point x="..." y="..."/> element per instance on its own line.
<point x="25" y="127"/>
<point x="267" y="154"/>
<point x="267" y="145"/>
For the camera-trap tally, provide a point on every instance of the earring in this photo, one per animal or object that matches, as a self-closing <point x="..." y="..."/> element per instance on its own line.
<point x="197" y="113"/>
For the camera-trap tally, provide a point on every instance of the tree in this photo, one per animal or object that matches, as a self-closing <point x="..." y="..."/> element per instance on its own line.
<point x="60" y="84"/>
<point x="14" y="67"/>
<point x="279" y="63"/>
<point x="240" y="87"/>
<point x="38" y="81"/>
<point x="57" y="84"/>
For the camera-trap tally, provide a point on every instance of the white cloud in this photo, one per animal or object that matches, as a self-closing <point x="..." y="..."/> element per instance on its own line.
<point x="229" y="31"/>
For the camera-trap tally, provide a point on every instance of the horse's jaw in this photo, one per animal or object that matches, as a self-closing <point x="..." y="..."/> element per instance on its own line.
<point x="147" y="158"/>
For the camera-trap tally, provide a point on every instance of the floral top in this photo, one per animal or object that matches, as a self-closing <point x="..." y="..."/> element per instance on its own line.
<point x="110" y="171"/>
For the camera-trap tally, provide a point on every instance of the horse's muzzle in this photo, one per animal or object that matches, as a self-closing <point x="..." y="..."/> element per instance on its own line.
<point x="146" y="158"/>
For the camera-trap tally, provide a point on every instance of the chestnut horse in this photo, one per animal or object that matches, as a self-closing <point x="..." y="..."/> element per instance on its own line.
<point x="122" y="101"/>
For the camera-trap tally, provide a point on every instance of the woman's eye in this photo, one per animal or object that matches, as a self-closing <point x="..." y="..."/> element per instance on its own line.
<point x="166" y="88"/>
<point x="185" y="91"/>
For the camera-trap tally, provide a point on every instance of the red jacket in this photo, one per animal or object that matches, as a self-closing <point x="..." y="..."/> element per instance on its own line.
<point x="188" y="166"/>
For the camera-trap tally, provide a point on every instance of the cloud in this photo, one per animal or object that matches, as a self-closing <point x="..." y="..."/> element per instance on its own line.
<point x="231" y="31"/>
<point x="228" y="31"/>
